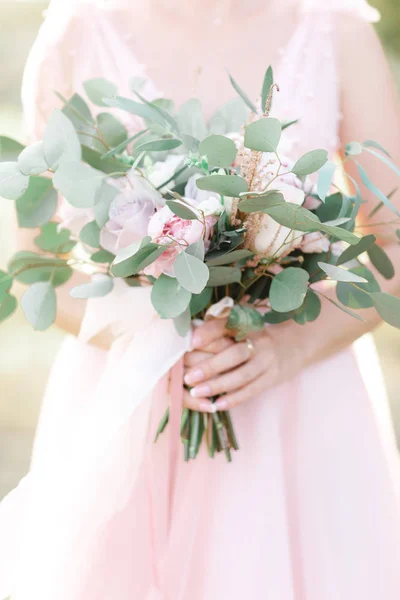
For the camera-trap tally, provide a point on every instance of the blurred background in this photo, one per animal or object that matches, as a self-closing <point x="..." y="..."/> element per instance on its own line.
<point x="25" y="356"/>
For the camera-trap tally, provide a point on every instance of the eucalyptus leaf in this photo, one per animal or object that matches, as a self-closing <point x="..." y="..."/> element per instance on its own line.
<point x="369" y="185"/>
<point x="385" y="160"/>
<point x="267" y="84"/>
<point x="98" y="89"/>
<point x="381" y="261"/>
<point x="60" y="140"/>
<point x="136" y="108"/>
<point x="78" y="113"/>
<point x="354" y="297"/>
<point x="353" y="149"/>
<point x="325" y="178"/>
<point x="140" y="258"/>
<point x="340" y="274"/>
<point x="39" y="305"/>
<point x="182" y="210"/>
<point x="310" y="309"/>
<point x="169" y="298"/>
<point x="288" y="289"/>
<point x="30" y="267"/>
<point x="6" y="281"/>
<point x="226" y="185"/>
<point x="101" y="285"/>
<point x="244" y="320"/>
<point x="230" y="257"/>
<point x="373" y="144"/>
<point x="104" y="197"/>
<point x="224" y="276"/>
<point x="310" y="162"/>
<point x="13" y="183"/>
<point x="191" y="272"/>
<point x="353" y="251"/>
<point x="102" y="257"/>
<point x="37" y="204"/>
<point x="197" y="249"/>
<point x="160" y="145"/>
<point x="53" y="239"/>
<point x="183" y="322"/>
<point x="107" y="165"/>
<point x="31" y="161"/>
<point x="78" y="183"/>
<point x="112" y="130"/>
<point x="118" y="149"/>
<point x="243" y="96"/>
<point x="344" y="308"/>
<point x="9" y="149"/>
<point x="200" y="302"/>
<point x="160" y="105"/>
<point x="259" y="203"/>
<point x="8" y="306"/>
<point x="388" y="308"/>
<point x="263" y="135"/>
<point x="220" y="150"/>
<point x="90" y="234"/>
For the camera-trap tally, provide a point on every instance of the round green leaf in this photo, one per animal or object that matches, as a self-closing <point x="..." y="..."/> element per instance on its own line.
<point x="341" y="274"/>
<point x="388" y="308"/>
<point x="90" y="234"/>
<point x="224" y="275"/>
<point x="220" y="150"/>
<point x="325" y="177"/>
<point x="53" y="239"/>
<point x="60" y="140"/>
<point x="159" y="145"/>
<point x="226" y="185"/>
<point x="32" y="161"/>
<point x="263" y="135"/>
<point x="288" y="289"/>
<point x="98" y="88"/>
<point x="354" y="298"/>
<point x="353" y="251"/>
<point x="381" y="261"/>
<point x="310" y="162"/>
<point x="37" y="204"/>
<point x="113" y="131"/>
<point x="78" y="183"/>
<point x="13" y="183"/>
<point x="191" y="272"/>
<point x="182" y="210"/>
<point x="8" y="306"/>
<point x="353" y="148"/>
<point x="10" y="149"/>
<point x="310" y="310"/>
<point x="39" y="305"/>
<point x="169" y="298"/>
<point x="104" y="197"/>
<point x="136" y="257"/>
<point x="182" y="322"/>
<point x="259" y="203"/>
<point x="200" y="302"/>
<point x="244" y="320"/>
<point x="5" y="284"/>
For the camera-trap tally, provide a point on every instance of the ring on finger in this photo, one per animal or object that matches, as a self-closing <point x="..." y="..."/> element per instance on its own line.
<point x="250" y="347"/>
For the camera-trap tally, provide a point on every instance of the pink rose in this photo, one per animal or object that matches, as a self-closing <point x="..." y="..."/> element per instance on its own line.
<point x="313" y="243"/>
<point x="166" y="228"/>
<point x="129" y="214"/>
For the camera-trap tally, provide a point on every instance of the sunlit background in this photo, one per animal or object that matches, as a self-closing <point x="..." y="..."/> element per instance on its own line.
<point x="25" y="356"/>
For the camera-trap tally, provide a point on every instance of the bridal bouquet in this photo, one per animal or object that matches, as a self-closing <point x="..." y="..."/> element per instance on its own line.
<point x="220" y="219"/>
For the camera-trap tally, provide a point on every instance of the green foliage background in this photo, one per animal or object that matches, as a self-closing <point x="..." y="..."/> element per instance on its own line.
<point x="26" y="356"/>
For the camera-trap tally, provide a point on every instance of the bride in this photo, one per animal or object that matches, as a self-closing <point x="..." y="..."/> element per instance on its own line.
<point x="309" y="509"/>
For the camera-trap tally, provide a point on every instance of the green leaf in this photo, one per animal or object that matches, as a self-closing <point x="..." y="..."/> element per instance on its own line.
<point x="243" y="96"/>
<point x="112" y="130"/>
<point x="310" y="162"/>
<point x="288" y="289"/>
<point x="274" y="318"/>
<point x="136" y="257"/>
<point x="182" y="210"/>
<point x="8" y="306"/>
<point x="340" y="274"/>
<point x="53" y="239"/>
<point x="37" y="204"/>
<point x="259" y="203"/>
<point x="352" y="297"/>
<point x="200" y="302"/>
<point x="191" y="272"/>
<point x="164" y="107"/>
<point x="90" y="235"/>
<point x="388" y="308"/>
<point x="381" y="261"/>
<point x="373" y="144"/>
<point x="286" y="124"/>
<point x="385" y="160"/>
<point x="263" y="135"/>
<point x="104" y="198"/>
<point x="9" y="149"/>
<point x="78" y="112"/>
<point x="353" y="251"/>
<point x="183" y="322"/>
<point x="100" y="286"/>
<point x="159" y="145"/>
<point x="230" y="257"/>
<point x="353" y="148"/>
<point x="344" y="308"/>
<point x="310" y="310"/>
<point x="30" y="267"/>
<point x="169" y="298"/>
<point x="123" y="145"/>
<point x="244" y="320"/>
<point x="136" y="108"/>
<point x="220" y="150"/>
<point x="31" y="161"/>
<point x="325" y="178"/>
<point x="224" y="275"/>
<point x="107" y="165"/>
<point x="191" y="119"/>
<point x="78" y="183"/>
<point x="226" y="185"/>
<point x="97" y="89"/>
<point x="60" y="141"/>
<point x="229" y="117"/>
<point x="6" y="281"/>
<point x="13" y="183"/>
<point x="267" y="84"/>
<point x="102" y="256"/>
<point x="39" y="305"/>
<point x="369" y="185"/>
<point x="197" y="249"/>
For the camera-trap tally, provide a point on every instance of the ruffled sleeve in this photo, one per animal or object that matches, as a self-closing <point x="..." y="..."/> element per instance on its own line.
<point x="358" y="8"/>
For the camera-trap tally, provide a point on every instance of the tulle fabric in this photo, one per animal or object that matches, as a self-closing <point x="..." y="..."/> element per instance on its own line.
<point x="309" y="509"/>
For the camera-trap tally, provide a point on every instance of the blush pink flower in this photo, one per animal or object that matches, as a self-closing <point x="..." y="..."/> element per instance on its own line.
<point x="314" y="243"/>
<point x="167" y="228"/>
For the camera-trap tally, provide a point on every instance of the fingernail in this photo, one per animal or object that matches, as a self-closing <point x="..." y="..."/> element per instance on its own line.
<point x="208" y="407"/>
<point x="194" y="377"/>
<point x="196" y="339"/>
<point x="200" y="391"/>
<point x="221" y="405"/>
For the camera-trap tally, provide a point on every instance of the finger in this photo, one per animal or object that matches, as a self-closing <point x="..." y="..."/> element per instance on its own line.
<point x="229" y="382"/>
<point x="208" y="332"/>
<point x="252" y="390"/>
<point x="191" y="359"/>
<point x="199" y="404"/>
<point x="218" y="363"/>
<point x="219" y="345"/>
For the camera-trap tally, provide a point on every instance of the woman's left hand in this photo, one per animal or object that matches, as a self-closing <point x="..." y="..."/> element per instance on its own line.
<point x="242" y="370"/>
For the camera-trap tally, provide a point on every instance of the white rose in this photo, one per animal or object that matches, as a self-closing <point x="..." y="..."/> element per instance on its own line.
<point x="210" y="207"/>
<point x="163" y="170"/>
<point x="315" y="243"/>
<point x="192" y="192"/>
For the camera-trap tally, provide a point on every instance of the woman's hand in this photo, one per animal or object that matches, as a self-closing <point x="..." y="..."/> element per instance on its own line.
<point x="237" y="370"/>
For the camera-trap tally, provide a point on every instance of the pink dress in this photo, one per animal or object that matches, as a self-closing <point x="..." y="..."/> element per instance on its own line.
<point x="309" y="508"/>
